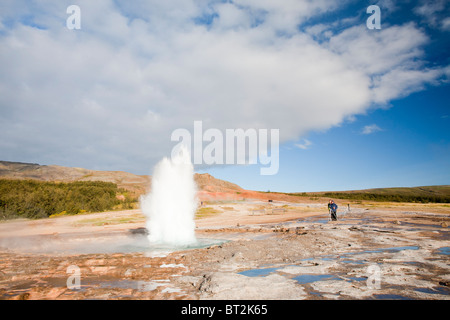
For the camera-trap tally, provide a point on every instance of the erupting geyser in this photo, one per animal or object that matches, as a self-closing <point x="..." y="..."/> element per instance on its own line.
<point x="171" y="204"/>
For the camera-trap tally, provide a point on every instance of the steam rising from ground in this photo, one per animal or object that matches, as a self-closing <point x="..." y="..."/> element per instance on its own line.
<point x="171" y="204"/>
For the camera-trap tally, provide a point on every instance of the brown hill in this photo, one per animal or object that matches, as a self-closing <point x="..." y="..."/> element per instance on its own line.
<point x="18" y="170"/>
<point x="208" y="183"/>
<point x="209" y="187"/>
<point x="137" y="184"/>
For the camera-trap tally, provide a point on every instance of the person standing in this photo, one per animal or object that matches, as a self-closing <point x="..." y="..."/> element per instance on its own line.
<point x="333" y="210"/>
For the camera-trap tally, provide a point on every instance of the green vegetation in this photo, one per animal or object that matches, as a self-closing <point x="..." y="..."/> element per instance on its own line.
<point x="431" y="194"/>
<point x="205" y="212"/>
<point x="37" y="199"/>
<point x="135" y="218"/>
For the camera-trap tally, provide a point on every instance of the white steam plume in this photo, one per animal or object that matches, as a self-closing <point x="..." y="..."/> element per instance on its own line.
<point x="171" y="204"/>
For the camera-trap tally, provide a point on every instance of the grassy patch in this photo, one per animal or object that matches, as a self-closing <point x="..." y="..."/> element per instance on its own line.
<point x="137" y="218"/>
<point x="205" y="212"/>
<point x="426" y="194"/>
<point x="227" y="208"/>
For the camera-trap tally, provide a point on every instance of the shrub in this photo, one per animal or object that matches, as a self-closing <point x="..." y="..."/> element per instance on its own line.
<point x="37" y="199"/>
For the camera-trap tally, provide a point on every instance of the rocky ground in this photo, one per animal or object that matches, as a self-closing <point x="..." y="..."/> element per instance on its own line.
<point x="249" y="250"/>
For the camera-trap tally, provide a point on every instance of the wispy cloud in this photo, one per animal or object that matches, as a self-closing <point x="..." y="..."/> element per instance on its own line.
<point x="445" y="24"/>
<point x="369" y="129"/>
<point x="305" y="145"/>
<point x="434" y="13"/>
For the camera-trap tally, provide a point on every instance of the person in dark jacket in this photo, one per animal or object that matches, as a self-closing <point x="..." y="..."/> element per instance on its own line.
<point x="333" y="210"/>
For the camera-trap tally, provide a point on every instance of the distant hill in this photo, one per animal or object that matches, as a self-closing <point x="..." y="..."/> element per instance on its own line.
<point x="207" y="182"/>
<point x="135" y="183"/>
<point x="402" y="194"/>
<point x="212" y="188"/>
<point x="18" y="170"/>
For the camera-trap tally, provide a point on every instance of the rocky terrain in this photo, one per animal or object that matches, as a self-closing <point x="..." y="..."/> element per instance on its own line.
<point x="247" y="250"/>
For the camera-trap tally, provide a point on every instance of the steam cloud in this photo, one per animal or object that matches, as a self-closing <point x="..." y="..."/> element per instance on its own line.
<point x="171" y="204"/>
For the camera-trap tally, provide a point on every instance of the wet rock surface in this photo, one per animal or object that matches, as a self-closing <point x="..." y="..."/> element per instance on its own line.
<point x="376" y="254"/>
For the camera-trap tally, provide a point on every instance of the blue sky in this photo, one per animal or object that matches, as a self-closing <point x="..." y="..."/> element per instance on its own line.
<point x="355" y="108"/>
<point x="406" y="143"/>
<point x="410" y="148"/>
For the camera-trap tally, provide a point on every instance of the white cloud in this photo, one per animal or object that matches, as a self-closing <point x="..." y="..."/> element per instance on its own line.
<point x="369" y="129"/>
<point x="428" y="8"/>
<point x="111" y="93"/>
<point x="445" y="24"/>
<point x="391" y="58"/>
<point x="434" y="13"/>
<point x="305" y="145"/>
<point x="387" y="5"/>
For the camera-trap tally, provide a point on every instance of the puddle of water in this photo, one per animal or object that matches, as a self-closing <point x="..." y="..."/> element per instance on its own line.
<point x="434" y="290"/>
<point x="397" y="249"/>
<point x="258" y="272"/>
<point x="358" y="278"/>
<point x="315" y="219"/>
<point x="143" y="286"/>
<point x="443" y="250"/>
<point x="328" y="258"/>
<point x="420" y="225"/>
<point x="119" y="284"/>
<point x="391" y="249"/>
<point x="315" y="293"/>
<point x="347" y="256"/>
<point x="324" y="221"/>
<point x="390" y="297"/>
<point x="307" y="259"/>
<point x="309" y="278"/>
<point x="354" y="261"/>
